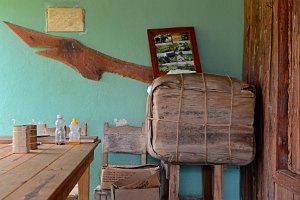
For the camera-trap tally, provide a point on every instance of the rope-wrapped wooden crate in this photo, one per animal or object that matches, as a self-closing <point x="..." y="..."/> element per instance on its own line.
<point x="201" y="119"/>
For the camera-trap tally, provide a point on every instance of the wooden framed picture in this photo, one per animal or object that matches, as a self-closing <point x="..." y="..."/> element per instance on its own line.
<point x="173" y="49"/>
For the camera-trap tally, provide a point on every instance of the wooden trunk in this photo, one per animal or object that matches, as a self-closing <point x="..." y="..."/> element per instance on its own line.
<point x="201" y="119"/>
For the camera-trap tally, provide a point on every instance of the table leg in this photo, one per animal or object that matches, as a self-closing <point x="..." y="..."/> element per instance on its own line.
<point x="84" y="185"/>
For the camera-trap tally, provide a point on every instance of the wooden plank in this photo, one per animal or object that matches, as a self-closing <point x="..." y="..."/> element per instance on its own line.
<point x="288" y="180"/>
<point x="65" y="189"/>
<point x="207" y="182"/>
<point x="86" y="61"/>
<point x="59" y="177"/>
<point x="15" y="160"/>
<point x="84" y="185"/>
<point x="3" y="146"/>
<point x="125" y="139"/>
<point x="271" y="62"/>
<point x="83" y="139"/>
<point x="294" y="92"/>
<point x="218" y="182"/>
<point x="282" y="193"/>
<point x="296" y="197"/>
<point x="174" y="182"/>
<point x="51" y="131"/>
<point x="50" y="139"/>
<point x="17" y="176"/>
<point x="5" y="151"/>
<point x="281" y="54"/>
<point x="5" y="139"/>
<point x="256" y="178"/>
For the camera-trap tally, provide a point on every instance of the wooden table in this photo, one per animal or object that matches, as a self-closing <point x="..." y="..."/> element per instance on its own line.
<point x="50" y="172"/>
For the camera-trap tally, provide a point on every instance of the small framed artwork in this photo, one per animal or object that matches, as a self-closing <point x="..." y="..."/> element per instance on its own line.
<point x="173" y="49"/>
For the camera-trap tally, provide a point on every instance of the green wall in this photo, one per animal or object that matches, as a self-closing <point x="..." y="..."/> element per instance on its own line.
<point x="34" y="88"/>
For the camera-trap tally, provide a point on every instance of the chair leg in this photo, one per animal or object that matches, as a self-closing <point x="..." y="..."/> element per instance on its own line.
<point x="98" y="196"/>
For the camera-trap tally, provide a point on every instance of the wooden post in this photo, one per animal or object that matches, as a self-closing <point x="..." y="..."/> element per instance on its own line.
<point x="218" y="182"/>
<point x="174" y="182"/>
<point x="207" y="182"/>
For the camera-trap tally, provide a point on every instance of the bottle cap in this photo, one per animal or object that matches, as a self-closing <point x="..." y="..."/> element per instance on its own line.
<point x="59" y="116"/>
<point x="74" y="121"/>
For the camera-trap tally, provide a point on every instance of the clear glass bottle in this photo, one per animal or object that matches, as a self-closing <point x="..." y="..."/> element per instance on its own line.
<point x="74" y="136"/>
<point x="60" y="132"/>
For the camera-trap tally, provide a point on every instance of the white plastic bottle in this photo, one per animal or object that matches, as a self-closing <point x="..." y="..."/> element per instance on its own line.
<point x="60" y="133"/>
<point x="74" y="136"/>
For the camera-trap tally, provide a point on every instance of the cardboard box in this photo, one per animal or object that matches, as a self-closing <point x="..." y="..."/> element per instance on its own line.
<point x="111" y="175"/>
<point x="132" y="194"/>
<point x="137" y="187"/>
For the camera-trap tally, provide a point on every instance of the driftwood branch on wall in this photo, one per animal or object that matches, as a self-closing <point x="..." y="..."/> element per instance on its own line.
<point x="86" y="61"/>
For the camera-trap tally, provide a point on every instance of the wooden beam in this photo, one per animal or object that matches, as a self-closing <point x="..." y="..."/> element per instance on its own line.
<point x="90" y="63"/>
<point x="281" y="59"/>
<point x="256" y="181"/>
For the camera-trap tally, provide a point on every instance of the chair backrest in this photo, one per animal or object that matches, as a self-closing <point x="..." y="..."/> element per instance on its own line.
<point x="123" y="139"/>
<point x="51" y="131"/>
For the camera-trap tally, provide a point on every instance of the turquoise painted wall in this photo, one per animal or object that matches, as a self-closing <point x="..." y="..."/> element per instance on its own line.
<point x="35" y="89"/>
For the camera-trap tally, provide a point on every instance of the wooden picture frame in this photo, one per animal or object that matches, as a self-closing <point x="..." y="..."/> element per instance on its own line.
<point x="173" y="48"/>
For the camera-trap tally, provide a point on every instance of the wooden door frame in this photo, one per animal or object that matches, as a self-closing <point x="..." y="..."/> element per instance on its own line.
<point x="268" y="58"/>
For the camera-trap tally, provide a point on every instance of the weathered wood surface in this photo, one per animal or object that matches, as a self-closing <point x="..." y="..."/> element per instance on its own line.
<point x="121" y="139"/>
<point x="283" y="194"/>
<point x="294" y="92"/>
<point x="271" y="63"/>
<point x="5" y="151"/>
<point x="47" y="173"/>
<point x="288" y="180"/>
<point x="126" y="139"/>
<point x="88" y="62"/>
<point x="208" y="121"/>
<point x="257" y="71"/>
<point x="44" y="130"/>
<point x="174" y="182"/>
<point x="50" y="139"/>
<point x="218" y="182"/>
<point x="14" y="160"/>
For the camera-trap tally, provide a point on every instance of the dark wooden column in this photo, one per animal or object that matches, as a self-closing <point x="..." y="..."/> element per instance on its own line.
<point x="257" y="70"/>
<point x="271" y="63"/>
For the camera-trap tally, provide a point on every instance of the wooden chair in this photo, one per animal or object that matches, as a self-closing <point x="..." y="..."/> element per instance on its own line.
<point x="51" y="131"/>
<point x="121" y="139"/>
